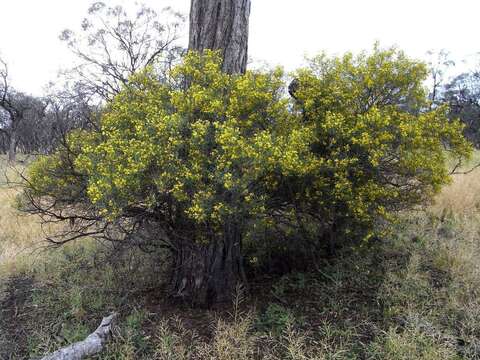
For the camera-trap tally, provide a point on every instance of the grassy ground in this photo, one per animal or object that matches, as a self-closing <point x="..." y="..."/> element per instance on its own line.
<point x="414" y="295"/>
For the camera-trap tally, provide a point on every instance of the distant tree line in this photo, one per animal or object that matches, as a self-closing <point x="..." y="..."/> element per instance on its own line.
<point x="461" y="93"/>
<point x="111" y="46"/>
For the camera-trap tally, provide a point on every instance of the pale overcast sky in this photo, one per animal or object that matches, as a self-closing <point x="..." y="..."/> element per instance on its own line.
<point x="281" y="31"/>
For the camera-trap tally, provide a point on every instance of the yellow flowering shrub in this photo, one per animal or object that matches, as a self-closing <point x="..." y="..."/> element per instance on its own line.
<point x="380" y="146"/>
<point x="205" y="143"/>
<point x="206" y="147"/>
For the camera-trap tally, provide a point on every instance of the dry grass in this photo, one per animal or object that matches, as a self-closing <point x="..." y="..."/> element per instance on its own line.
<point x="20" y="234"/>
<point x="437" y="293"/>
<point x="417" y="296"/>
<point x="462" y="196"/>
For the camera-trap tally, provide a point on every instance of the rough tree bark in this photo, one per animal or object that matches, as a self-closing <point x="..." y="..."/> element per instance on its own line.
<point x="221" y="25"/>
<point x="209" y="274"/>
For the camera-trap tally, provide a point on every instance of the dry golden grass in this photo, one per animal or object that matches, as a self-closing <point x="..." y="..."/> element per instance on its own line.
<point x="19" y="234"/>
<point x="462" y="196"/>
<point x="18" y="231"/>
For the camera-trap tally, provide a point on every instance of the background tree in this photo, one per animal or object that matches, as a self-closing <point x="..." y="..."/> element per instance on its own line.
<point x="64" y="112"/>
<point x="438" y="66"/>
<point x="18" y="112"/>
<point x="113" y="45"/>
<point x="462" y="95"/>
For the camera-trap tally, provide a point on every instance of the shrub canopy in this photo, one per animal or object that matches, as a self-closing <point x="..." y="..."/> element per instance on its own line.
<point x="206" y="149"/>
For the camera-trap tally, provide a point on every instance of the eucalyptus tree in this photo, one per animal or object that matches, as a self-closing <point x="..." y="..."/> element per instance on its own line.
<point x="18" y="111"/>
<point x="114" y="44"/>
<point x="462" y="94"/>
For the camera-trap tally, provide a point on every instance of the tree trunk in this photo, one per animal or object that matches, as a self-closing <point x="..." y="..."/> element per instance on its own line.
<point x="208" y="274"/>
<point x="221" y="25"/>
<point x="12" y="148"/>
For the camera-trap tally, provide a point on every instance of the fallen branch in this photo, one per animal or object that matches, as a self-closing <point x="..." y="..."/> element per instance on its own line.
<point x="92" y="345"/>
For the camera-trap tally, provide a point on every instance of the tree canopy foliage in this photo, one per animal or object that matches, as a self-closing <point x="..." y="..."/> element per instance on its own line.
<point x="462" y="94"/>
<point x="114" y="44"/>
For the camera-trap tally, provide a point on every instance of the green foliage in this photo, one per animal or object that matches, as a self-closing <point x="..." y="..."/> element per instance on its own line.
<point x="276" y="319"/>
<point x="207" y="149"/>
<point x="55" y="176"/>
<point x="462" y="94"/>
<point x="377" y="147"/>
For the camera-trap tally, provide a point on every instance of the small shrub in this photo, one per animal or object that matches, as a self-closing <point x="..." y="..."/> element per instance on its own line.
<point x="275" y="319"/>
<point x="233" y="340"/>
<point x="173" y="341"/>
